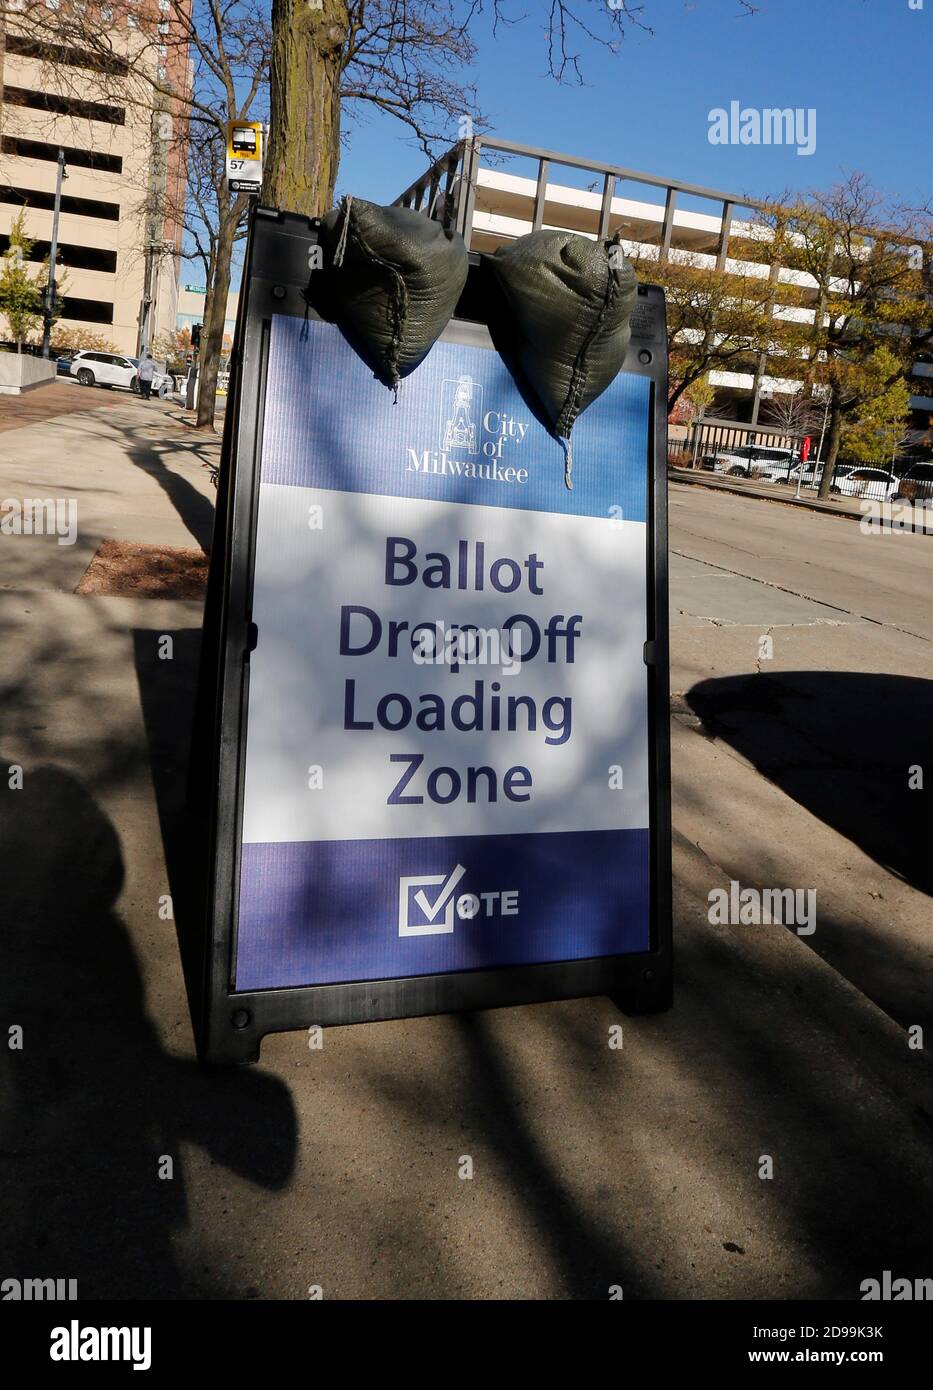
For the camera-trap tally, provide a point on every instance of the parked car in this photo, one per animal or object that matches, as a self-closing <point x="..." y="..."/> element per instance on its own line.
<point x="812" y="472"/>
<point x="809" y="472"/>
<point x="873" y="483"/>
<point x="916" y="485"/>
<point x="63" y="364"/>
<point x="110" y="369"/>
<point x="752" y="461"/>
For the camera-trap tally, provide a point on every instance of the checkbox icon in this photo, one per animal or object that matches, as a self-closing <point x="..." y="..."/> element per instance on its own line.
<point x="419" y="912"/>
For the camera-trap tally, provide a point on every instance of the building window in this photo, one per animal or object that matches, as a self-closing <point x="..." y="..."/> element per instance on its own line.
<point x="64" y="106"/>
<point x="82" y="159"/>
<point x="78" y="257"/>
<point x="90" y="310"/>
<point x="81" y="207"/>
<point x="59" y="53"/>
<point x="132" y="21"/>
<point x="106" y="13"/>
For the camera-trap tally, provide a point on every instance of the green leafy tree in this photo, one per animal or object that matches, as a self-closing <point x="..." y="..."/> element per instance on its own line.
<point x="873" y="311"/>
<point x="716" y="320"/>
<point x="692" y="402"/>
<point x="20" y="291"/>
<point x="874" y="427"/>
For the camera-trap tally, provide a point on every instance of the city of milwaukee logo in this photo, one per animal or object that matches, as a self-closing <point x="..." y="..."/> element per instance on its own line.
<point x="460" y="429"/>
<point x="472" y="440"/>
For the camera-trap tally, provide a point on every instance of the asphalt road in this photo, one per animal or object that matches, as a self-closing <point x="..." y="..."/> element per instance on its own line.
<point x="814" y="741"/>
<point x="593" y="1167"/>
<point x="878" y="577"/>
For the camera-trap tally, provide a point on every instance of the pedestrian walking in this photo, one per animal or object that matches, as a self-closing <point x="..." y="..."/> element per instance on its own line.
<point x="145" y="373"/>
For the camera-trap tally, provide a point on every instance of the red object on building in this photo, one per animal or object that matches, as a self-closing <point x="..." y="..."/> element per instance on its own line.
<point x="805" y="451"/>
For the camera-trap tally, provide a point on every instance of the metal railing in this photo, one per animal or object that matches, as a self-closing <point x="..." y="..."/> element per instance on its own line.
<point x="447" y="190"/>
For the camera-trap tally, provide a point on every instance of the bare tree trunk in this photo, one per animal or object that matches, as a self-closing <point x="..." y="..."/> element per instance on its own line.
<point x="215" y="313"/>
<point x="833" y="438"/>
<point x="304" y="120"/>
<point x="206" y="313"/>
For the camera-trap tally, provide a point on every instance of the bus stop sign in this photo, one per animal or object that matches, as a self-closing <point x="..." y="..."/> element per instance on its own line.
<point x="245" y="154"/>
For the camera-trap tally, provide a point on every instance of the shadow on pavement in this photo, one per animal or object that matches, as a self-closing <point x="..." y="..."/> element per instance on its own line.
<point x="841" y="743"/>
<point x="845" y="746"/>
<point x="194" y="509"/>
<point x="167" y="695"/>
<point x="92" y="1104"/>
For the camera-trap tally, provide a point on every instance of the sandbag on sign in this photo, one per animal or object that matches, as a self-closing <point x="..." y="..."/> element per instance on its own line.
<point x="391" y="283"/>
<point x="569" y="300"/>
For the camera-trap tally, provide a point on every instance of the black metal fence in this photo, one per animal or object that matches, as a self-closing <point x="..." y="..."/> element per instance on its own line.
<point x="711" y="442"/>
<point x="758" y="458"/>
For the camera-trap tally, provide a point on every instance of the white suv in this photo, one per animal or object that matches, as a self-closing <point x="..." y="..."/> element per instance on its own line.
<point x="753" y="461"/>
<point x="113" y="369"/>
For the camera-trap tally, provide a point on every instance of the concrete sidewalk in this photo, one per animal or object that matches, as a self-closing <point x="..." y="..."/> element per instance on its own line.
<point x="338" y="1167"/>
<point x="134" y="471"/>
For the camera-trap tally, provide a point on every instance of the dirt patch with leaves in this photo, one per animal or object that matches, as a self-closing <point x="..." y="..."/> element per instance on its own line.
<point x="145" y="571"/>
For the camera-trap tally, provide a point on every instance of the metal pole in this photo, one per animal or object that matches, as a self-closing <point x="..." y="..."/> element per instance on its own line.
<point x="819" y="449"/>
<point x="819" y="452"/>
<point x="53" y="252"/>
<point x="191" y="390"/>
<point x="145" y="314"/>
<point x="696" y="436"/>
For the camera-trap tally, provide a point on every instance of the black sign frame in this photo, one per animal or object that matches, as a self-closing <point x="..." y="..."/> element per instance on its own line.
<point x="230" y="1024"/>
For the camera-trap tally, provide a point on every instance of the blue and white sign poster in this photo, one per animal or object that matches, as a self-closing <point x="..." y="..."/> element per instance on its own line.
<point x="447" y="751"/>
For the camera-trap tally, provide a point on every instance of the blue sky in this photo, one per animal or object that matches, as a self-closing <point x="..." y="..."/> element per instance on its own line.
<point x="864" y="65"/>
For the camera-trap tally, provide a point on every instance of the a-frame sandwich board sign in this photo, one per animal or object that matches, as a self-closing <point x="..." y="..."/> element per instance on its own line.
<point x="432" y="742"/>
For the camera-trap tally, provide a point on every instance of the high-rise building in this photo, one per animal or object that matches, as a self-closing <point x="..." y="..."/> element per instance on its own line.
<point x="119" y="235"/>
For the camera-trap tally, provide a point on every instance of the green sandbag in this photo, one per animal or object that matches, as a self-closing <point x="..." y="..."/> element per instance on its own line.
<point x="391" y="282"/>
<point x="568" y="302"/>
